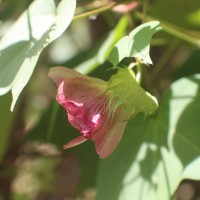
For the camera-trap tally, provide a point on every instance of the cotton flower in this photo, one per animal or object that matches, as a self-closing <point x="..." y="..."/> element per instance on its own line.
<point x="100" y="110"/>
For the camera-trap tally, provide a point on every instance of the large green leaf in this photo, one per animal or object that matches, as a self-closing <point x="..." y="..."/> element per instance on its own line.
<point x="22" y="44"/>
<point x="187" y="134"/>
<point x="136" y="45"/>
<point x="155" y="155"/>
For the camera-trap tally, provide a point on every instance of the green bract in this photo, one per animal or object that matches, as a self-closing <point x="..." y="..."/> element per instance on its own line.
<point x="130" y="93"/>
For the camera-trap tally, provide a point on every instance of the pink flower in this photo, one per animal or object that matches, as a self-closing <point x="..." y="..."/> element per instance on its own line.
<point x="125" y="8"/>
<point x="94" y="107"/>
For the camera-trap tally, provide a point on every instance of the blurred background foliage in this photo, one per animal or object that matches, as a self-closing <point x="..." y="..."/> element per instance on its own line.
<point x="33" y="162"/>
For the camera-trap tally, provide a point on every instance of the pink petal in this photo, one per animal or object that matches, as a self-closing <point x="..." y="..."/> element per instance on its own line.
<point x="81" y="90"/>
<point x="109" y="134"/>
<point x="106" y="145"/>
<point x="75" y="142"/>
<point x="125" y="8"/>
<point x="83" y="103"/>
<point x="59" y="74"/>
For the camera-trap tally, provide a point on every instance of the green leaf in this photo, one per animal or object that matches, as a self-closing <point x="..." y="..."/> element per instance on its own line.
<point x="136" y="45"/>
<point x="187" y="134"/>
<point x="22" y="44"/>
<point x="155" y="155"/>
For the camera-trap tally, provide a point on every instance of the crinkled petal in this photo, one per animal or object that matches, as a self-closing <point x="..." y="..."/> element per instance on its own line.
<point x="78" y="91"/>
<point x="84" y="104"/>
<point x="105" y="145"/>
<point x="75" y="142"/>
<point x="81" y="90"/>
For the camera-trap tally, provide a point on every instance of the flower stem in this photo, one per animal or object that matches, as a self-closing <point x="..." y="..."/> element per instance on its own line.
<point x="95" y="11"/>
<point x="180" y="33"/>
<point x="145" y="9"/>
<point x="102" y="9"/>
<point x="174" y="30"/>
<point x="138" y="77"/>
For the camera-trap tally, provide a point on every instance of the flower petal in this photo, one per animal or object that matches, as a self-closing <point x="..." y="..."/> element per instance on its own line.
<point x="59" y="74"/>
<point x="75" y="142"/>
<point x="81" y="90"/>
<point x="106" y="145"/>
<point x="84" y="104"/>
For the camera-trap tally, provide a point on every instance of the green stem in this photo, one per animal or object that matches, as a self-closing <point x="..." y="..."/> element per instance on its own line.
<point x="173" y="30"/>
<point x="145" y="8"/>
<point x="102" y="9"/>
<point x="95" y="11"/>
<point x="180" y="33"/>
<point x="138" y="66"/>
<point x="139" y="73"/>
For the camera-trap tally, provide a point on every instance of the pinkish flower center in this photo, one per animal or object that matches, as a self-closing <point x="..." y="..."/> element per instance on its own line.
<point x="82" y="119"/>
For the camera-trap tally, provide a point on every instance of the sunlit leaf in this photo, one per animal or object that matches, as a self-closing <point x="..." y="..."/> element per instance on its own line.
<point x="136" y="45"/>
<point x="187" y="133"/>
<point x="22" y="44"/>
<point x="155" y="155"/>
